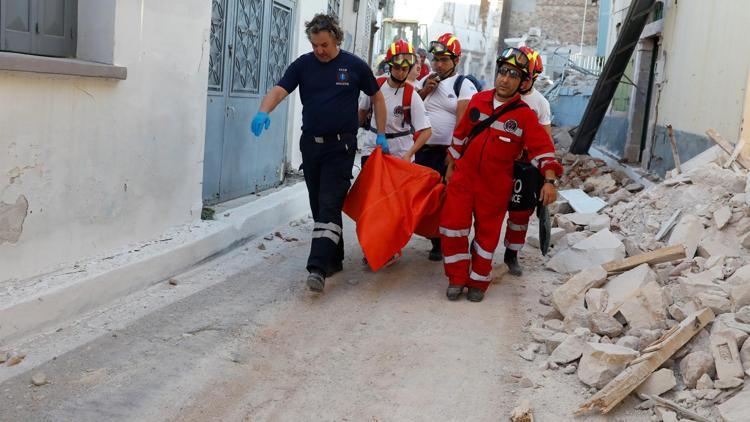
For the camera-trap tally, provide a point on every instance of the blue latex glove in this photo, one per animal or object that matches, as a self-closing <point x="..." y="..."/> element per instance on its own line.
<point x="382" y="142"/>
<point x="260" y="121"/>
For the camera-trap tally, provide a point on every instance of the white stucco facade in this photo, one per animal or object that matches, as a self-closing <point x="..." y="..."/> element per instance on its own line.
<point x="103" y="162"/>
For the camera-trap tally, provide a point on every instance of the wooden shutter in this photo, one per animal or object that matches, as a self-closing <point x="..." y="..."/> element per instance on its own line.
<point x="55" y="35"/>
<point x="17" y="25"/>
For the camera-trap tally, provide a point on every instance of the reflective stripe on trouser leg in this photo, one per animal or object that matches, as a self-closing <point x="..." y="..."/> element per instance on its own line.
<point x="516" y="228"/>
<point x="487" y="226"/>
<point x="455" y="223"/>
<point x="327" y="170"/>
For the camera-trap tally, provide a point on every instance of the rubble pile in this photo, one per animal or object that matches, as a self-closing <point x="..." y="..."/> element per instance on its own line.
<point x="657" y="302"/>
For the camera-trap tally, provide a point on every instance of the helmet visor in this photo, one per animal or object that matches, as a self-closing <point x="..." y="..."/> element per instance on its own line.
<point x="403" y="60"/>
<point x="436" y="47"/>
<point x="515" y="57"/>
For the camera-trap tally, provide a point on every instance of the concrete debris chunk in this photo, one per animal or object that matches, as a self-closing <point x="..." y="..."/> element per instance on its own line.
<point x="709" y="247"/>
<point x="582" y="202"/>
<point x="728" y="384"/>
<point x="38" y="379"/>
<point x="596" y="300"/>
<point x="745" y="355"/>
<point x="577" y="317"/>
<point x="722" y="216"/>
<point x="718" y="303"/>
<point x="604" y="324"/>
<point x="704" y="383"/>
<point x="626" y="285"/>
<point x="658" y="383"/>
<point x="680" y="311"/>
<point x="668" y="225"/>
<point x="601" y="363"/>
<point x="688" y="232"/>
<point x="572" y="293"/>
<point x="597" y="249"/>
<point x="647" y="308"/>
<point x="726" y="357"/>
<point x="740" y="294"/>
<point x="695" y="365"/>
<point x="737" y="408"/>
<point x="554" y="325"/>
<point x="569" y="350"/>
<point x="743" y="315"/>
<point x="631" y="342"/>
<point x="556" y="234"/>
<point x="555" y="340"/>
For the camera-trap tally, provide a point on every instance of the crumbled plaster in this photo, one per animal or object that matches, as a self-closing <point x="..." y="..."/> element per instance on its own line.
<point x="12" y="217"/>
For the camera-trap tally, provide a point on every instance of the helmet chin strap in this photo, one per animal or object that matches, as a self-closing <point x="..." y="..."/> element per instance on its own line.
<point x="401" y="81"/>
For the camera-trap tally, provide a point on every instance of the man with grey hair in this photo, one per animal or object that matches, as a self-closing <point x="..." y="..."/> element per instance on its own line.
<point x="329" y="81"/>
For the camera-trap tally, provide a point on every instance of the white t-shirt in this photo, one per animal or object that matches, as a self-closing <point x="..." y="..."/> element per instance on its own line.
<point x="395" y="120"/>
<point x="540" y="105"/>
<point x="441" y="107"/>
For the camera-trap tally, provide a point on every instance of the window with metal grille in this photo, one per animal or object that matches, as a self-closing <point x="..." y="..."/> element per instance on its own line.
<point x="658" y="11"/>
<point x="41" y="27"/>
<point x="334" y="7"/>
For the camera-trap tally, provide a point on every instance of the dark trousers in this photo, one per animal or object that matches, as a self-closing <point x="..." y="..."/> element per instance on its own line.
<point x="433" y="156"/>
<point x="327" y="167"/>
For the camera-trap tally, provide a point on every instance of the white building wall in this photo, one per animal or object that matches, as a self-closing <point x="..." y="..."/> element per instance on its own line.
<point x="704" y="70"/>
<point x="103" y="163"/>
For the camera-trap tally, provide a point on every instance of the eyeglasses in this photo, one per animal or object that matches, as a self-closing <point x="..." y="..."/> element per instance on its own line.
<point x="436" y="47"/>
<point x="403" y="60"/>
<point x="515" y="57"/>
<point x="506" y="71"/>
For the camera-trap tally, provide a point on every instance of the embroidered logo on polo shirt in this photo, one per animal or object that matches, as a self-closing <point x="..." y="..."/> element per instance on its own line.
<point x="398" y="111"/>
<point x="342" y="77"/>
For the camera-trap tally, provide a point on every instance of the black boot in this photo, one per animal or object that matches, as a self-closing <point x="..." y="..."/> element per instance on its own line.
<point x="511" y="259"/>
<point x="316" y="280"/>
<point x="475" y="294"/>
<point x="436" y="253"/>
<point x="454" y="292"/>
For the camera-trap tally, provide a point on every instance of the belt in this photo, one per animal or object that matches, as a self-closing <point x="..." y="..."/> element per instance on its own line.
<point x="327" y="138"/>
<point x="390" y="135"/>
<point x="431" y="147"/>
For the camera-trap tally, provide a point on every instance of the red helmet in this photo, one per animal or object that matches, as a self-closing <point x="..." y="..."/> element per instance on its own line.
<point x="535" y="61"/>
<point x="400" y="53"/>
<point x="446" y="44"/>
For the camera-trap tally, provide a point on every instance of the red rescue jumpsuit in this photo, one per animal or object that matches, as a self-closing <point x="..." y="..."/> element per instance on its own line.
<point x="481" y="185"/>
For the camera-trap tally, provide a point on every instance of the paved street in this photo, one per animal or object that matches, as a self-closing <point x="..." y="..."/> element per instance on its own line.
<point x="251" y="343"/>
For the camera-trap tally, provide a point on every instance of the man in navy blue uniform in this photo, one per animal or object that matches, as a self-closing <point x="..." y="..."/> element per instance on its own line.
<point x="329" y="81"/>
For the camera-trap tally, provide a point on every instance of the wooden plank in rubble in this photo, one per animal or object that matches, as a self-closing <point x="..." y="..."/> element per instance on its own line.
<point x="630" y="378"/>
<point x="657" y="256"/>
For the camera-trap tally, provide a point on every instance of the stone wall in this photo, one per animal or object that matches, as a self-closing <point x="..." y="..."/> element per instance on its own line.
<point x="560" y="20"/>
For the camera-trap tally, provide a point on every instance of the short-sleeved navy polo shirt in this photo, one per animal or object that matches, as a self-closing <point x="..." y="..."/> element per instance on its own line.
<point x="329" y="91"/>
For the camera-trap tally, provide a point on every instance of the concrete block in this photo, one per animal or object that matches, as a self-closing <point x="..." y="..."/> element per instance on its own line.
<point x="740" y="295"/>
<point x="631" y="342"/>
<point x="594" y="222"/>
<point x="647" y="308"/>
<point x="726" y="357"/>
<point x="597" y="249"/>
<point x="577" y="318"/>
<point x="737" y="408"/>
<point x="728" y="383"/>
<point x="680" y="311"/>
<point x="596" y="300"/>
<point x="572" y="293"/>
<point x="688" y="232"/>
<point x="601" y="363"/>
<point x="658" y="383"/>
<point x="554" y="341"/>
<point x="626" y="285"/>
<point x="695" y="365"/>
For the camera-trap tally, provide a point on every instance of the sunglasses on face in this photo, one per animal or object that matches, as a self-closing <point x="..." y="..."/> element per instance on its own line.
<point x="510" y="72"/>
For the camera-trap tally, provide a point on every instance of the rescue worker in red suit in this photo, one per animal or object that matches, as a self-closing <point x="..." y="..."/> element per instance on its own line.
<point x="480" y="176"/>
<point x="518" y="221"/>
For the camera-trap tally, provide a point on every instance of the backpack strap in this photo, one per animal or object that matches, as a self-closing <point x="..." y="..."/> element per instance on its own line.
<point x="381" y="80"/>
<point x="458" y="84"/>
<point x="406" y="103"/>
